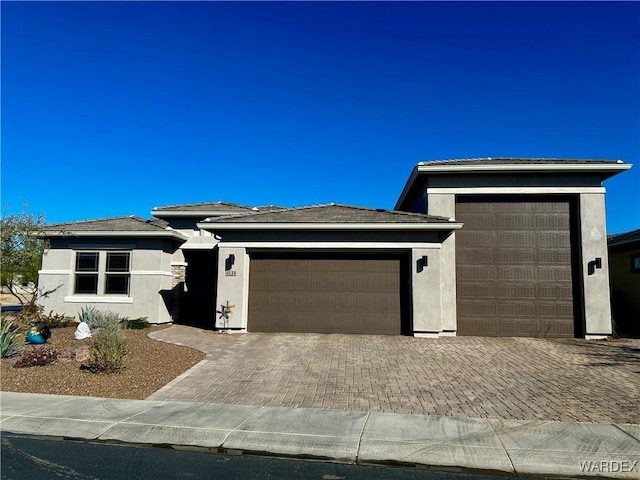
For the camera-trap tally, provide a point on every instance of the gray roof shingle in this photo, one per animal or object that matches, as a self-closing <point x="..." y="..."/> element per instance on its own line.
<point x="330" y="213"/>
<point x="624" y="238"/>
<point x="128" y="223"/>
<point x="204" y="207"/>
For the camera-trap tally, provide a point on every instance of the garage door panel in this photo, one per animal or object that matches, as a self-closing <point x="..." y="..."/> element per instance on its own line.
<point x="325" y="295"/>
<point x="529" y="283"/>
<point x="514" y="221"/>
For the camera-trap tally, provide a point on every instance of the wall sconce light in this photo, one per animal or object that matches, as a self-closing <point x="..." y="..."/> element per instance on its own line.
<point x="422" y="263"/>
<point x="594" y="264"/>
<point x="228" y="263"/>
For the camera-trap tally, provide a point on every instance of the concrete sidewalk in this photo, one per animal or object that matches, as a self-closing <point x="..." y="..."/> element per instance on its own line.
<point x="511" y="447"/>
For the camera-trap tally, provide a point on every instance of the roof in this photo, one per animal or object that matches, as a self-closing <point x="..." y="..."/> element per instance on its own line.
<point x="624" y="239"/>
<point x="113" y="226"/>
<point x="519" y="161"/>
<point x="517" y="165"/>
<point x="209" y="209"/>
<point x="329" y="215"/>
<point x="203" y="207"/>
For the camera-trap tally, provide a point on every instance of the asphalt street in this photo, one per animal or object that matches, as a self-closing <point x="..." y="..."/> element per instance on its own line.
<point x="24" y="457"/>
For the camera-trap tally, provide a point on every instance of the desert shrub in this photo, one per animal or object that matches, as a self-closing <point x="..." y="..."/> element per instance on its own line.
<point x="36" y="357"/>
<point x="136" y="323"/>
<point x="32" y="315"/>
<point x="108" y="350"/>
<point x="88" y="314"/>
<point x="97" y="319"/>
<point x="9" y="339"/>
<point x="56" y="320"/>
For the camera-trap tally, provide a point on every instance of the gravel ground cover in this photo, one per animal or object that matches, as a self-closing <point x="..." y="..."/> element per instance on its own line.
<point x="150" y="365"/>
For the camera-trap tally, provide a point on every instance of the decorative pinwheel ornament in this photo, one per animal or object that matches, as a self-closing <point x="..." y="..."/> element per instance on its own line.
<point x="225" y="312"/>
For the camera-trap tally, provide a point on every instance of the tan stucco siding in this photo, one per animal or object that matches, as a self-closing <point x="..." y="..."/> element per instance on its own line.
<point x="149" y="285"/>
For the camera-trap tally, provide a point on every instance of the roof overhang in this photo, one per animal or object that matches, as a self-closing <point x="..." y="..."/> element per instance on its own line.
<point x="605" y="169"/>
<point x="200" y="243"/>
<point x="173" y="234"/>
<point x="441" y="226"/>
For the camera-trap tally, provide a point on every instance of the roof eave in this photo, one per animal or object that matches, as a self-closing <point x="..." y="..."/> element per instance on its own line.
<point x="608" y="170"/>
<point x="115" y="233"/>
<point x="611" y="168"/>
<point x="407" y="186"/>
<point x="331" y="226"/>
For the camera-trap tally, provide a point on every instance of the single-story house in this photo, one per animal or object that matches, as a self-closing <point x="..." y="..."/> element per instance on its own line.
<point x="624" y="270"/>
<point x="490" y="246"/>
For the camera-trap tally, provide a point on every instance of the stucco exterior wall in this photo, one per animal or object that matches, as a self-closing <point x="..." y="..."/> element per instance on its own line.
<point x="426" y="290"/>
<point x="233" y="285"/>
<point x="150" y="279"/>
<point x="444" y="205"/>
<point x="597" y="305"/>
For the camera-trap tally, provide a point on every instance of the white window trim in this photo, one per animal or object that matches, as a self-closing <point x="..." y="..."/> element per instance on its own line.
<point x="97" y="299"/>
<point x="100" y="295"/>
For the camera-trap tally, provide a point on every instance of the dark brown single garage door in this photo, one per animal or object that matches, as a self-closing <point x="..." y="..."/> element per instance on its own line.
<point x="325" y="293"/>
<point x="513" y="267"/>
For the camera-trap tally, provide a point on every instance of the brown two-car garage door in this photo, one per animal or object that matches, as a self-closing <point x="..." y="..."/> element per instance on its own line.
<point x="513" y="267"/>
<point x="325" y="293"/>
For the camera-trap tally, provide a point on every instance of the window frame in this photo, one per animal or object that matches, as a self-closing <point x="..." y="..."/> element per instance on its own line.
<point x="634" y="262"/>
<point x="86" y="273"/>
<point x="112" y="274"/>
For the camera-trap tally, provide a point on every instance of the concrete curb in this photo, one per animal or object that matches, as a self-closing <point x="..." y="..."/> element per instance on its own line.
<point x="508" y="447"/>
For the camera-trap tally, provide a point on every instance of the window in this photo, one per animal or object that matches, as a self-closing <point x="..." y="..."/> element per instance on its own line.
<point x="86" y="272"/>
<point x="102" y="272"/>
<point x="635" y="263"/>
<point x="117" y="273"/>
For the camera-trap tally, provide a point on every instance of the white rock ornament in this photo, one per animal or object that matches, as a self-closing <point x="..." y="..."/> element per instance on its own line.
<point x="82" y="331"/>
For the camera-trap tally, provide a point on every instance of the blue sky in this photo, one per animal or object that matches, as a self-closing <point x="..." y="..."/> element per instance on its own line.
<point x="113" y="108"/>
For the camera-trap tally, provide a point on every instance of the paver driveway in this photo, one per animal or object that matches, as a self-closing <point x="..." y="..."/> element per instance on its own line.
<point x="511" y="378"/>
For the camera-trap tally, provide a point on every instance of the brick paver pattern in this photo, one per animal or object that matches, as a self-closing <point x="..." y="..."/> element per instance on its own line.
<point x="508" y="378"/>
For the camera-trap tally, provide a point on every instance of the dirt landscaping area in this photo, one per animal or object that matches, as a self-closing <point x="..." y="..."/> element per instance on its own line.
<point x="150" y="364"/>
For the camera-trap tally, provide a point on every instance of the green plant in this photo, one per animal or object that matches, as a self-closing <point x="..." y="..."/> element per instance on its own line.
<point x="36" y="357"/>
<point x="34" y="314"/>
<point x="23" y="241"/>
<point x="97" y="319"/>
<point x="57" y="320"/>
<point x="89" y="314"/>
<point x="136" y="323"/>
<point x="108" y="350"/>
<point x="9" y="340"/>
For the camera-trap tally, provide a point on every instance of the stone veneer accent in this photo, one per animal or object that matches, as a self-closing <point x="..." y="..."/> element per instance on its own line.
<point x="178" y="276"/>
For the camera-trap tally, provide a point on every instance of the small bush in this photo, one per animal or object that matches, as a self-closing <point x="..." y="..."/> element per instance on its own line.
<point x="97" y="319"/>
<point x="9" y="339"/>
<point x="36" y="357"/>
<point x="58" y="320"/>
<point x="32" y="315"/>
<point x="89" y="314"/>
<point x="108" y="350"/>
<point x="136" y="323"/>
